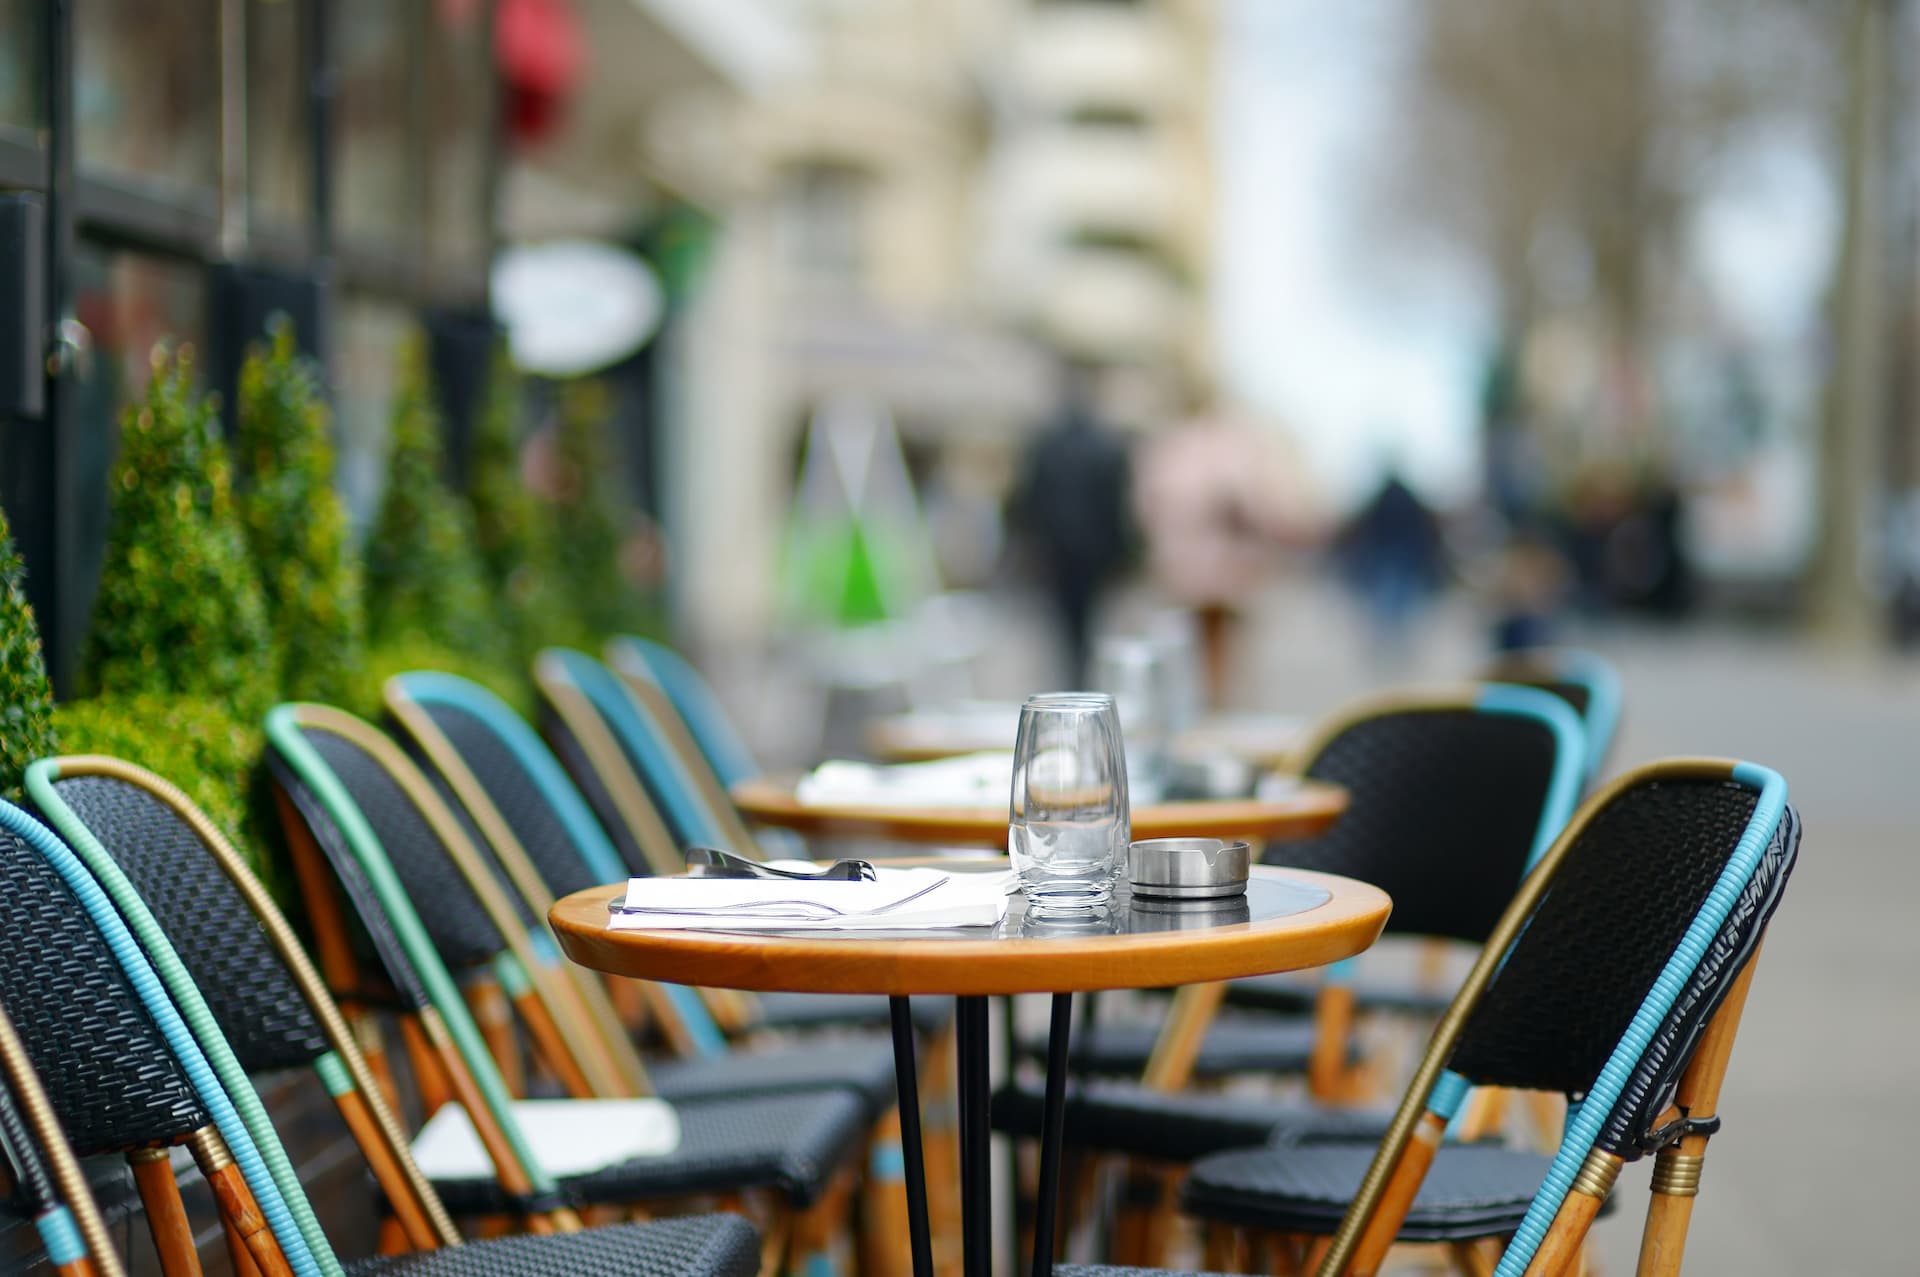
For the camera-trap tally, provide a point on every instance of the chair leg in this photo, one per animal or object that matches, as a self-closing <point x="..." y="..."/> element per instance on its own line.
<point x="236" y="1204"/>
<point x="166" y="1213"/>
<point x="238" y="1255"/>
<point x="1560" y="1250"/>
<point x="885" y="1247"/>
<point x="819" y="1232"/>
<point x="491" y="1013"/>
<point x="1401" y="1189"/>
<point x="1470" y="1259"/>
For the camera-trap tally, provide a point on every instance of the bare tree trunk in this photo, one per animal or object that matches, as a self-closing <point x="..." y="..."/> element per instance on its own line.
<point x="1850" y="501"/>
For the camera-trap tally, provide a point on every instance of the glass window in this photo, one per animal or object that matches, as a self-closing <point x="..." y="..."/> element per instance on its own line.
<point x="460" y="98"/>
<point x="129" y="301"/>
<point x="19" y="63"/>
<point x="147" y="88"/>
<point x="370" y="129"/>
<point x="367" y="333"/>
<point x="820" y="224"/>
<point x="277" y="165"/>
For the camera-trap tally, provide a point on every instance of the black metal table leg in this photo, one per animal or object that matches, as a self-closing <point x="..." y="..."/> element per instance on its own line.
<point x="1046" y="1208"/>
<point x="976" y="1183"/>
<point x="907" y="1083"/>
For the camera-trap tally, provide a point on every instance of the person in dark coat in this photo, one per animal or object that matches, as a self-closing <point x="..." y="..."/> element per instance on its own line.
<point x="1072" y="505"/>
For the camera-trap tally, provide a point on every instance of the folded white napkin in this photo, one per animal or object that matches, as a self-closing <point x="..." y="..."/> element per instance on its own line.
<point x="566" y="1137"/>
<point x="902" y="899"/>
<point x="970" y="780"/>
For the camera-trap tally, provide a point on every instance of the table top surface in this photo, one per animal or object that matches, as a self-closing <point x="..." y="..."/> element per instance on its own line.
<point x="979" y="726"/>
<point x="1288" y="920"/>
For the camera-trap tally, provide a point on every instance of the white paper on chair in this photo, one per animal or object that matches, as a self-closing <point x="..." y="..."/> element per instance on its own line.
<point x="901" y="899"/>
<point x="971" y="780"/>
<point x="566" y="1137"/>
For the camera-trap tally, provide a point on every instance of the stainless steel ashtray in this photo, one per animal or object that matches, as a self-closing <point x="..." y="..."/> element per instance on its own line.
<point x="1188" y="868"/>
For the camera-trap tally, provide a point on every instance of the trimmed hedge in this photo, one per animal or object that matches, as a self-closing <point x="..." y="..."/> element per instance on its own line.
<point x="26" y="700"/>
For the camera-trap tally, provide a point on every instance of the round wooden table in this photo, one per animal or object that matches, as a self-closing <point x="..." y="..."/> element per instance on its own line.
<point x="1302" y="811"/>
<point x="1266" y="740"/>
<point x="1288" y="920"/>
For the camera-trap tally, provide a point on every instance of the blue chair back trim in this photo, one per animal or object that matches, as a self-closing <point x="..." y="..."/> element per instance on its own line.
<point x="591" y="841"/>
<point x="1602" y="682"/>
<point x="426" y="687"/>
<point x="705" y="717"/>
<point x="61" y="1236"/>
<point x="146" y="985"/>
<point x="1583" y="1128"/>
<point x="640" y="738"/>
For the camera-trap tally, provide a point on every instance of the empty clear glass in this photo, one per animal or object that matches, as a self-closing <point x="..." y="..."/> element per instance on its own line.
<point x="1069" y="825"/>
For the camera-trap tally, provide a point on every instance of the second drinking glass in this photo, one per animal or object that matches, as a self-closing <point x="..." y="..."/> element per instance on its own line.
<point x="1068" y="822"/>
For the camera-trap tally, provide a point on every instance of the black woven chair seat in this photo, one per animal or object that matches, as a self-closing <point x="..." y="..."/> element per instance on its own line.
<point x="1293" y="994"/>
<point x="1109" y="1270"/>
<point x="1123" y="1117"/>
<point x="1234" y="1044"/>
<point x="821" y="1010"/>
<point x="789" y="1143"/>
<point x="1471" y="1190"/>
<point x="694" y="1246"/>
<point x="862" y="1066"/>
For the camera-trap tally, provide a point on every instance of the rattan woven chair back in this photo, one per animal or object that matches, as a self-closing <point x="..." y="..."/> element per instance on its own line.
<point x="706" y="719"/>
<point x="1627" y="947"/>
<point x="1451" y="796"/>
<point x="506" y="778"/>
<point x="123" y="1069"/>
<point x="242" y="955"/>
<point x="48" y="1185"/>
<point x="1584" y="680"/>
<point x="326" y="824"/>
<point x="519" y="795"/>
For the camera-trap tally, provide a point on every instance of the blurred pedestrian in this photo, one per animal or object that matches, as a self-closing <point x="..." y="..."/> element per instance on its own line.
<point x="1391" y="552"/>
<point x="1071" y="504"/>
<point x="1211" y="499"/>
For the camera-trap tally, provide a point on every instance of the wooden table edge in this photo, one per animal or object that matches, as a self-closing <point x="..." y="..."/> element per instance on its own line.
<point x="1347" y="924"/>
<point x="1309" y="810"/>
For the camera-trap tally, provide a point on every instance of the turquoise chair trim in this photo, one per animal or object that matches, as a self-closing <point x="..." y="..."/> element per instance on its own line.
<point x="61" y="1236"/>
<point x="646" y="747"/>
<point x="286" y="735"/>
<point x="200" y="1075"/>
<point x="186" y="997"/>
<point x="705" y="717"/>
<point x="1570" y="756"/>
<point x="1584" y="1128"/>
<point x="426" y="687"/>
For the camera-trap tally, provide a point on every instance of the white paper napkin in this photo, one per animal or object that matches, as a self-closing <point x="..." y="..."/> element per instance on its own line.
<point x="971" y="780"/>
<point x="566" y="1137"/>
<point x="902" y="899"/>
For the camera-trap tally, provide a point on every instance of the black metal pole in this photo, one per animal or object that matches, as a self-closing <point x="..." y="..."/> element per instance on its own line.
<point x="322" y="83"/>
<point x="907" y="1085"/>
<point x="1053" y="1124"/>
<point x="976" y="1184"/>
<point x="61" y="618"/>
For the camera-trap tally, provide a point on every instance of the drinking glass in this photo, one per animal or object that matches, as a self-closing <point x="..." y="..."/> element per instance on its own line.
<point x="1136" y="673"/>
<point x="1068" y="821"/>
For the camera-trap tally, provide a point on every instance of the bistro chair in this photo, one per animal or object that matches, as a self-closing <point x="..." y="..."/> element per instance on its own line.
<point x="516" y="791"/>
<point x="124" y="1071"/>
<point x="639" y="659"/>
<point x="1453" y="796"/>
<point x="1584" y="680"/>
<point x="1616" y="977"/>
<point x="49" y="1186"/>
<point x="388" y="844"/>
<point x="143" y="1070"/>
<point x="242" y="970"/>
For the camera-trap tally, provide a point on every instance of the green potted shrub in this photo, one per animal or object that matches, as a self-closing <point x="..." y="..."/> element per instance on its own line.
<point x="296" y="523"/>
<point x="591" y="516"/>
<point x="26" y="700"/>
<point x="425" y="581"/>
<point x="515" y="542"/>
<point x="179" y="655"/>
<point x="179" y="609"/>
